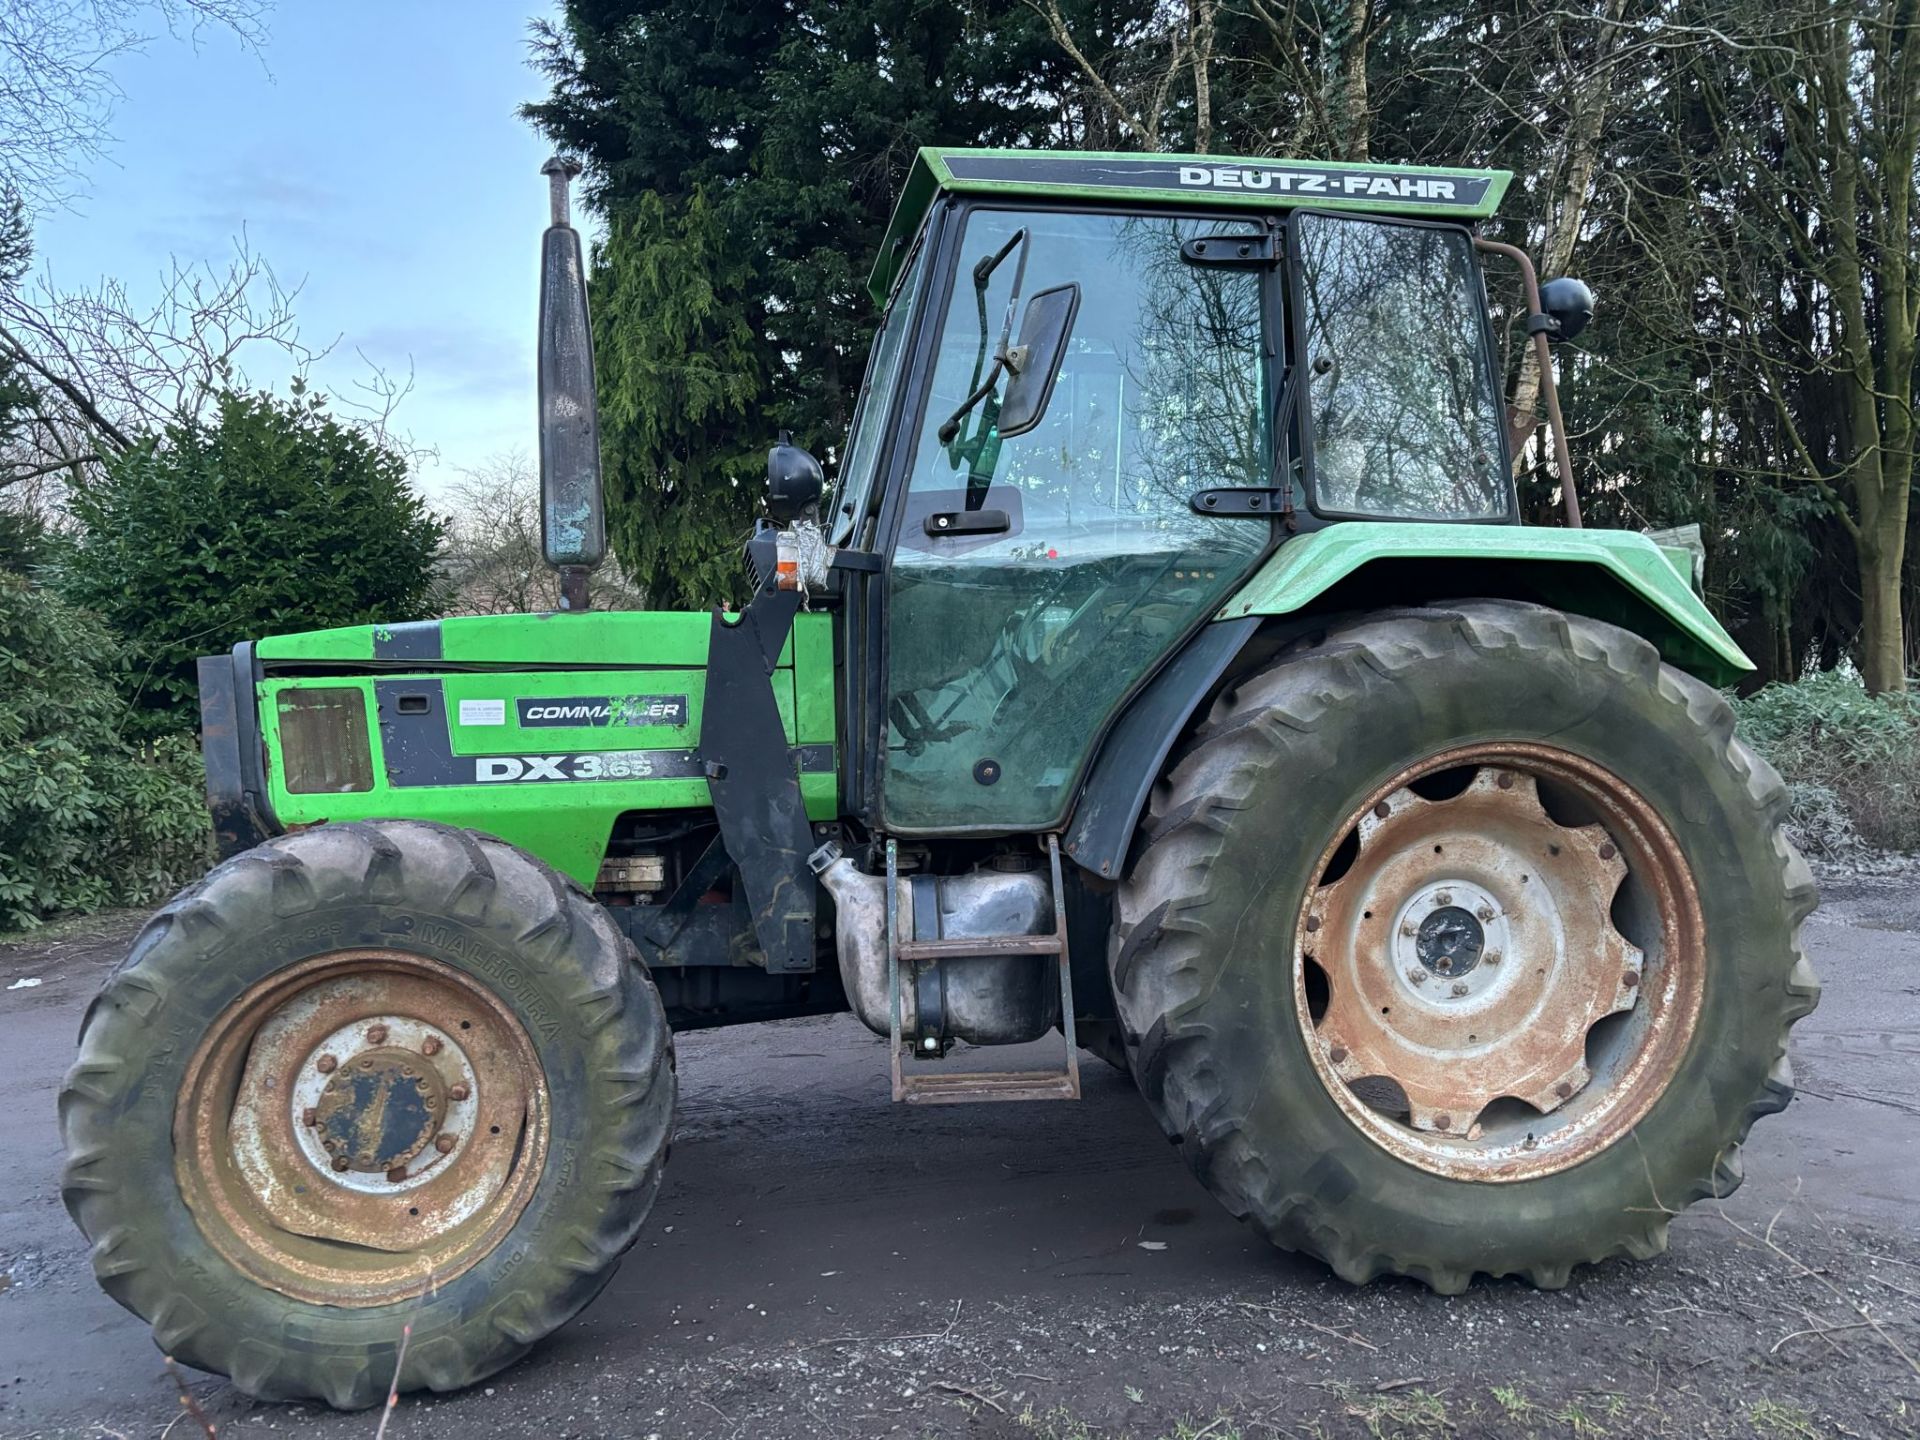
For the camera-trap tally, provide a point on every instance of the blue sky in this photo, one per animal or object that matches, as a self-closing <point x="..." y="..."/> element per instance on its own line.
<point x="371" y="148"/>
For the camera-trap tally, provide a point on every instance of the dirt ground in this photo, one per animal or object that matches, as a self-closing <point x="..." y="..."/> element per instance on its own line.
<point x="822" y="1263"/>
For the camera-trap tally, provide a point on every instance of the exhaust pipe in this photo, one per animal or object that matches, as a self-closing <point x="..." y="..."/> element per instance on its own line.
<point x="573" y="518"/>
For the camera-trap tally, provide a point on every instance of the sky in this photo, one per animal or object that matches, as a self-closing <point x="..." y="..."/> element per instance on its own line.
<point x="371" y="151"/>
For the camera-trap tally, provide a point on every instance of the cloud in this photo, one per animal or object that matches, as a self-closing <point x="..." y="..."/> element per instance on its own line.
<point x="470" y="362"/>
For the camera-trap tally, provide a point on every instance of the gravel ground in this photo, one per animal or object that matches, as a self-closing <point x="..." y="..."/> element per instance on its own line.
<point x="822" y="1263"/>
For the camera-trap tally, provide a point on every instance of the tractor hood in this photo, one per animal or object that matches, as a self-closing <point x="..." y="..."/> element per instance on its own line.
<point x="477" y="721"/>
<point x="609" y="637"/>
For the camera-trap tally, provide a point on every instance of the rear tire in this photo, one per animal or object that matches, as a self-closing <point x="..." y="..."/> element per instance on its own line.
<point x="573" y="1068"/>
<point x="1238" y="860"/>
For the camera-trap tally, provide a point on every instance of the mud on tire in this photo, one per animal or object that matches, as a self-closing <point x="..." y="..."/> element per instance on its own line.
<point x="524" y="934"/>
<point x="1205" y="946"/>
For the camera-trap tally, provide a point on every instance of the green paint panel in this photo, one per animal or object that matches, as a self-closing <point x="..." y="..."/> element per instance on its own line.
<point x="1581" y="571"/>
<point x="1230" y="183"/>
<point x="565" y="823"/>
<point x="600" y="637"/>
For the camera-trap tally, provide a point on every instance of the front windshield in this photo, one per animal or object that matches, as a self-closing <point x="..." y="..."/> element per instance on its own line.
<point x="855" y="480"/>
<point x="1406" y="419"/>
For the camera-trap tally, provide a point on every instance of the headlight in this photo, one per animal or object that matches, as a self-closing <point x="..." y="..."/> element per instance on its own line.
<point x="323" y="740"/>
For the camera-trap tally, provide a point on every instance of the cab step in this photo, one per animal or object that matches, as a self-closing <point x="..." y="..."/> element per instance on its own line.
<point x="966" y="1087"/>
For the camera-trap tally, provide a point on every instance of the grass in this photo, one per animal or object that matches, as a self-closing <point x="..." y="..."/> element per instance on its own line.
<point x="1772" y="1420"/>
<point x="1055" y="1423"/>
<point x="1401" y="1415"/>
<point x="1513" y="1400"/>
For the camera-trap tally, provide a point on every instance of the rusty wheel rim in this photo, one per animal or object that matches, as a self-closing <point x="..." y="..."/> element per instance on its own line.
<point x="1500" y="966"/>
<point x="361" y="1127"/>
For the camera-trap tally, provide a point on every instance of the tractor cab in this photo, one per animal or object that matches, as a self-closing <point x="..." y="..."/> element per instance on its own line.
<point x="1105" y="388"/>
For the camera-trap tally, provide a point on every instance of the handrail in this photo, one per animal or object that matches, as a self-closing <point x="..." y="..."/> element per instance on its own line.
<point x="1569" y="496"/>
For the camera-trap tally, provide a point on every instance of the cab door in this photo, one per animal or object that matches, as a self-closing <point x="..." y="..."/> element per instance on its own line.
<point x="1035" y="581"/>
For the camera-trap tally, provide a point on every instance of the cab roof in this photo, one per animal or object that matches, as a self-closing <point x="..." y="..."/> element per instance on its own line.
<point x="1211" y="181"/>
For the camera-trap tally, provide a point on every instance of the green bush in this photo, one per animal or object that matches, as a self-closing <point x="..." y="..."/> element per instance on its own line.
<point x="85" y="819"/>
<point x="1851" y="760"/>
<point x="269" y="517"/>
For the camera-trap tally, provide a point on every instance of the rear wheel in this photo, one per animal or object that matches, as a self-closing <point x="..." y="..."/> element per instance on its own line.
<point x="363" y="1077"/>
<point x="1464" y="941"/>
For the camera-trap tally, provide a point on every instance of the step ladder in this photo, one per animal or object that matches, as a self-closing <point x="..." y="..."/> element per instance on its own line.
<point x="964" y="1088"/>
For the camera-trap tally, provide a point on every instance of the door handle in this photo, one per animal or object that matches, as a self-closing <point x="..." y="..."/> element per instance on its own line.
<point x="968" y="522"/>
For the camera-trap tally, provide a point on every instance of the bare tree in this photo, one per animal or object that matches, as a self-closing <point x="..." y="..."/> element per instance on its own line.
<point x="1817" y="183"/>
<point x="1135" y="75"/>
<point x="106" y="370"/>
<point x="493" y="563"/>
<point x="57" y="91"/>
<point x="1318" y="52"/>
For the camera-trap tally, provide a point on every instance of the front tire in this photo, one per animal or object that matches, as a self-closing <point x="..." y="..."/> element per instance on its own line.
<point x="1308" y="956"/>
<point x="361" y="1077"/>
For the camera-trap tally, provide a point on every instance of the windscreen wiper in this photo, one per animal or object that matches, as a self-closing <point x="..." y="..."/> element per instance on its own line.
<point x="1002" y="360"/>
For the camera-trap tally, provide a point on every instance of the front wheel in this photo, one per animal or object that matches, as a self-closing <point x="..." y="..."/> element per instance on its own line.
<point x="1465" y="940"/>
<point x="364" y="1077"/>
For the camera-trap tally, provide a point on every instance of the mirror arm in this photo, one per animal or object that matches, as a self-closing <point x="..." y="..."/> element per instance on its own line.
<point x="1544" y="357"/>
<point x="950" y="427"/>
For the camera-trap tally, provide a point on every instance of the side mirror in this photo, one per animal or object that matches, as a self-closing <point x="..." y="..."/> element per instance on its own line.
<point x="1034" y="364"/>
<point x="794" y="481"/>
<point x="1569" y="304"/>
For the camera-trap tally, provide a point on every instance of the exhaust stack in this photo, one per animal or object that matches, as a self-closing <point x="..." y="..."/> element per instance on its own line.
<point x="573" y="520"/>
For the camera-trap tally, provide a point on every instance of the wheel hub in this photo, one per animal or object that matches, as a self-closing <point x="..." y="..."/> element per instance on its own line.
<point x="1470" y="950"/>
<point x="381" y="1109"/>
<point x="1449" y="941"/>
<point x="1446" y="929"/>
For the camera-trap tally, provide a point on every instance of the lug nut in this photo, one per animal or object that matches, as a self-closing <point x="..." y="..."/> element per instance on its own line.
<point x="1485" y="912"/>
<point x="1492" y="957"/>
<point x="1444" y="897"/>
<point x="430" y="1045"/>
<point x="1409" y="929"/>
<point x="326" y="1064"/>
<point x="376" y="1034"/>
<point x="309" y="1117"/>
<point x="340" y="1162"/>
<point x="444" y="1144"/>
<point x="1460" y="987"/>
<point x="1417" y="975"/>
<point x="397" y="1174"/>
<point x="458" y="1091"/>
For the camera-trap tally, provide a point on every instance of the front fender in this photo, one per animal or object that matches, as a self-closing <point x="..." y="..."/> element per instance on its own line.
<point x="1612" y="575"/>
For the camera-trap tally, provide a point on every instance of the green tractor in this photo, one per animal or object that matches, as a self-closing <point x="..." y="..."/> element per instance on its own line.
<point x="1166" y="671"/>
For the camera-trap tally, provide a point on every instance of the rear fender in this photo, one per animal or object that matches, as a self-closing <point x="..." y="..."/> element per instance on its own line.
<point x="1612" y="575"/>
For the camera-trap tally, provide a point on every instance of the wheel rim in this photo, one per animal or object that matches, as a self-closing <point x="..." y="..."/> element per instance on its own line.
<point x="1500" y="966"/>
<point x="361" y="1127"/>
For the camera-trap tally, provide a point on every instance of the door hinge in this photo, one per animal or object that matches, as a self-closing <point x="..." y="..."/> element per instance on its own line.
<point x="1242" y="252"/>
<point x="1255" y="501"/>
